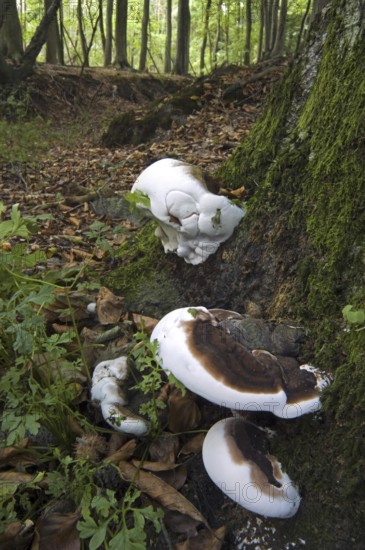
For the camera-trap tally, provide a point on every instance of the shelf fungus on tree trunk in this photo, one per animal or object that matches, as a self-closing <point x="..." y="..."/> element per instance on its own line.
<point x="237" y="459"/>
<point x="192" y="221"/>
<point x="106" y="389"/>
<point x="197" y="347"/>
<point x="213" y="364"/>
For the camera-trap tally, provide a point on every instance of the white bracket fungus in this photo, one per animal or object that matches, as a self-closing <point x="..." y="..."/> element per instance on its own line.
<point x="106" y="389"/>
<point x="199" y="351"/>
<point x="192" y="221"/>
<point x="237" y="461"/>
<point x="212" y="364"/>
<point x="209" y="361"/>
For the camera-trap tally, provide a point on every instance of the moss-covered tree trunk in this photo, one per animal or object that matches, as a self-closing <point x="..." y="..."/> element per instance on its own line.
<point x="299" y="254"/>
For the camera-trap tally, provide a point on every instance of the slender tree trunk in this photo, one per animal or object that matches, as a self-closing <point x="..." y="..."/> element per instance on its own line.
<point x="248" y="33"/>
<point x="53" y="39"/>
<point x="274" y="19"/>
<point x="101" y="24"/>
<point x="144" y="35"/>
<point x="121" y="22"/>
<point x="61" y="37"/>
<point x="302" y="25"/>
<point x="168" y="36"/>
<point x="11" y="41"/>
<point x="280" y="37"/>
<point x="109" y="33"/>
<point x="183" y="38"/>
<point x="205" y="36"/>
<point x="10" y="74"/>
<point x="217" y="34"/>
<point x="261" y="32"/>
<point x="267" y="21"/>
<point x="80" y="22"/>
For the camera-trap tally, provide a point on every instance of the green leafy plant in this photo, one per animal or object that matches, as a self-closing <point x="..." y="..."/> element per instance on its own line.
<point x="144" y="354"/>
<point x="100" y="232"/>
<point x="111" y="518"/>
<point x="138" y="198"/>
<point x="354" y="317"/>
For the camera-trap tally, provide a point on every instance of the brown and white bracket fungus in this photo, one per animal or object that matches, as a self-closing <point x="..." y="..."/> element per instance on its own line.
<point x="212" y="364"/>
<point x="107" y="389"/>
<point x="192" y="221"/>
<point x="236" y="458"/>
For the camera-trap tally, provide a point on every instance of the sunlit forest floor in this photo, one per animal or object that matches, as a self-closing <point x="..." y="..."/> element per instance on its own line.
<point x="56" y="163"/>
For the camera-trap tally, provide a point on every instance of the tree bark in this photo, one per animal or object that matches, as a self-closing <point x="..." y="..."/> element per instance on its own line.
<point x="168" y="36"/>
<point x="11" y="42"/>
<point x="144" y="35"/>
<point x="280" y="36"/>
<point x="205" y="36"/>
<point x="121" y="22"/>
<point x="183" y="38"/>
<point x="248" y="33"/>
<point x="261" y="32"/>
<point x="53" y="38"/>
<point x="101" y="24"/>
<point x="109" y="33"/>
<point x="84" y="48"/>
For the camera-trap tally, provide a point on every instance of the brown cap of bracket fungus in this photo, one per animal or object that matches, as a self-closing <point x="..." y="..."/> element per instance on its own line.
<point x="236" y="458"/>
<point x="212" y="364"/>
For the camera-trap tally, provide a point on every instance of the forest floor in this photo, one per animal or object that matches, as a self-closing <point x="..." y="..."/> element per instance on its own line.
<point x="65" y="175"/>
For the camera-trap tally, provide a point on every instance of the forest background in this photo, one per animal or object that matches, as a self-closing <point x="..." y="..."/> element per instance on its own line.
<point x="185" y="36"/>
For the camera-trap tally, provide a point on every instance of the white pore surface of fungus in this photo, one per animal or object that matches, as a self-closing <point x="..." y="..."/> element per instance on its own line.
<point x="192" y="222"/>
<point x="211" y="364"/>
<point x="249" y="476"/>
<point x="107" y="379"/>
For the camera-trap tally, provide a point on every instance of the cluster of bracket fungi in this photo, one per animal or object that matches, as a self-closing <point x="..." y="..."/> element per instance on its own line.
<point x="232" y="360"/>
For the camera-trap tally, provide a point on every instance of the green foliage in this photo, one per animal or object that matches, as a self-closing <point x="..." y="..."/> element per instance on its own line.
<point x="100" y="232"/>
<point x="138" y="198"/>
<point x="37" y="388"/>
<point x="354" y="317"/>
<point x="144" y="354"/>
<point x="109" y="517"/>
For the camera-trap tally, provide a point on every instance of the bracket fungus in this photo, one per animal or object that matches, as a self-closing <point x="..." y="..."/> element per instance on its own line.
<point x="192" y="221"/>
<point x="196" y="346"/>
<point x="107" y="379"/>
<point x="236" y="458"/>
<point x="212" y="364"/>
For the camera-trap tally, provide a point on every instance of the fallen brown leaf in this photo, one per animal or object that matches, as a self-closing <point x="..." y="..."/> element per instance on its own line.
<point x="57" y="532"/>
<point x="194" y="445"/>
<point x="164" y="449"/>
<point x="160" y="491"/>
<point x="184" y="413"/>
<point x="108" y="306"/>
<point x="204" y="540"/>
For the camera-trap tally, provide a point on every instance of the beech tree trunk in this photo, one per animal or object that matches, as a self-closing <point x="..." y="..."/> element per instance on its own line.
<point x="248" y="33"/>
<point x="108" y="33"/>
<point x="121" y="34"/>
<point x="10" y="74"/>
<point x="11" y="42"/>
<point x="183" y="38"/>
<point x="53" y="39"/>
<point x="144" y="35"/>
<point x="280" y="35"/>
<point x="205" y="36"/>
<point x="168" y="37"/>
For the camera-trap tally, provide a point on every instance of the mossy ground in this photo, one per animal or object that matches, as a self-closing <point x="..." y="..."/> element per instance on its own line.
<point x="146" y="289"/>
